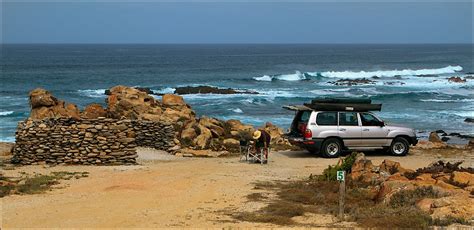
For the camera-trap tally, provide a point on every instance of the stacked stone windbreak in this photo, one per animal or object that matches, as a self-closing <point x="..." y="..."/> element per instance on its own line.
<point x="87" y="141"/>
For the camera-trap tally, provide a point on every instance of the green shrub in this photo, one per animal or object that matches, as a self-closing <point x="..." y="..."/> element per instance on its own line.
<point x="346" y="165"/>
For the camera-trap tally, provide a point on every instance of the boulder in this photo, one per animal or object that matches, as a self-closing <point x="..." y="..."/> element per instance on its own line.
<point x="45" y="105"/>
<point x="434" y="138"/>
<point x="189" y="133"/>
<point x="236" y="125"/>
<point x="172" y="100"/>
<point x="425" y="204"/>
<point x="391" y="167"/>
<point x="423" y="144"/>
<point x="209" y="89"/>
<point x="456" y="80"/>
<point x="42" y="98"/>
<point x="131" y="103"/>
<point x="93" y="111"/>
<point x="231" y="141"/>
<point x="214" y="125"/>
<point x="203" y="140"/>
<point x="464" y="178"/>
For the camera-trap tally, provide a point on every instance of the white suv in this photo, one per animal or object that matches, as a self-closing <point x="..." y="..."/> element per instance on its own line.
<point x="331" y="132"/>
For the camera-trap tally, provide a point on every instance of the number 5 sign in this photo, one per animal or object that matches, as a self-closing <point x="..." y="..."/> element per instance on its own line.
<point x="340" y="176"/>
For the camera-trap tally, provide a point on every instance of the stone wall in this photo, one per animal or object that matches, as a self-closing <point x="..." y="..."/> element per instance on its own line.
<point x="88" y="141"/>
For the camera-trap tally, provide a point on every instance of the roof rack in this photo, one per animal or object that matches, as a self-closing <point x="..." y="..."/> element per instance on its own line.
<point x="338" y="104"/>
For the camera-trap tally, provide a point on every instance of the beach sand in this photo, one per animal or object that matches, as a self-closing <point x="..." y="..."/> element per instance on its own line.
<point x="169" y="191"/>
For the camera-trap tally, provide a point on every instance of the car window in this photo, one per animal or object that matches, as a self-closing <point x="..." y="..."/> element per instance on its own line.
<point x="305" y="116"/>
<point x="369" y="119"/>
<point x="349" y="118"/>
<point x="326" y="118"/>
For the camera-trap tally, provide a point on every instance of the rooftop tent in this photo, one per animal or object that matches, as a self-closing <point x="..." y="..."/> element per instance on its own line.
<point x="344" y="107"/>
<point x="342" y="100"/>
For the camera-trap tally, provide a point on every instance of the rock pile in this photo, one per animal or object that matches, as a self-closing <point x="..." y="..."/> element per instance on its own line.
<point x="44" y="105"/>
<point x="136" y="104"/>
<point x="454" y="183"/>
<point x="87" y="141"/>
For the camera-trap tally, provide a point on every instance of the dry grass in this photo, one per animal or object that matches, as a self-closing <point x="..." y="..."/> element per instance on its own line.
<point x="321" y="197"/>
<point x="35" y="184"/>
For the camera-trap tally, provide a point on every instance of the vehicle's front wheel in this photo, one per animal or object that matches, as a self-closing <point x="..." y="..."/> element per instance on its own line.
<point x="399" y="147"/>
<point x="331" y="148"/>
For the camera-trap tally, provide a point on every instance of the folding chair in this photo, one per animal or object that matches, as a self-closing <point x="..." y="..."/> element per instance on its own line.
<point x="255" y="156"/>
<point x="244" y="149"/>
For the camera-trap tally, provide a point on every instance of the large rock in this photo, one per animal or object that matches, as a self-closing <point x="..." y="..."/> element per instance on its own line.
<point x="131" y="103"/>
<point x="463" y="178"/>
<point x="214" y="125"/>
<point x="45" y="105"/>
<point x="172" y="100"/>
<point x="209" y="89"/>
<point x="93" y="111"/>
<point x="203" y="140"/>
<point x="434" y="138"/>
<point x="236" y="125"/>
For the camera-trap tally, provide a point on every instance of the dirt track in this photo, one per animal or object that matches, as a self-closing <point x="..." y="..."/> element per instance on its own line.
<point x="165" y="191"/>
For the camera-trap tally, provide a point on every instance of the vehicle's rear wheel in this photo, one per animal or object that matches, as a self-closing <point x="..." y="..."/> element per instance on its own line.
<point x="331" y="148"/>
<point x="399" y="147"/>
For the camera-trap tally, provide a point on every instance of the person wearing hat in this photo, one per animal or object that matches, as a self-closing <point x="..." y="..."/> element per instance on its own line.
<point x="262" y="140"/>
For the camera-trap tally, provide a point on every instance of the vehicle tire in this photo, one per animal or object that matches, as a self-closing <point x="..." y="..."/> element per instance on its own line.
<point x="331" y="148"/>
<point x="399" y="147"/>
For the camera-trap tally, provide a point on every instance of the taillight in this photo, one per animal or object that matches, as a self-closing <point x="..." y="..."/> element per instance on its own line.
<point x="308" y="133"/>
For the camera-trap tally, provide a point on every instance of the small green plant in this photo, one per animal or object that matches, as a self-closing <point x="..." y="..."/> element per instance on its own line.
<point x="346" y="165"/>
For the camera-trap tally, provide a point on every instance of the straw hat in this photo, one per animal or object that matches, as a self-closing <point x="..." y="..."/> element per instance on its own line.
<point x="257" y="134"/>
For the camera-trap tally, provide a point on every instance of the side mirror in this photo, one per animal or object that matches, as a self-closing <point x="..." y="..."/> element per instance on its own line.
<point x="382" y="124"/>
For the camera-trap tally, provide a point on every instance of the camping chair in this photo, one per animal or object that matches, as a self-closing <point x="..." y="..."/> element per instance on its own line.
<point x="257" y="156"/>
<point x="244" y="149"/>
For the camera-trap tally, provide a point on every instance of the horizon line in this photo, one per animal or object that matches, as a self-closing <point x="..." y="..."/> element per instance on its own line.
<point x="233" y="43"/>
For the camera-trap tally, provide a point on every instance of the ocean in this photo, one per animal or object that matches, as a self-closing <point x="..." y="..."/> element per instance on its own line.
<point x="411" y="80"/>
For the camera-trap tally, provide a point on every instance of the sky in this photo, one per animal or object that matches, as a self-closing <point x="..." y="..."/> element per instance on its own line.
<point x="236" y="22"/>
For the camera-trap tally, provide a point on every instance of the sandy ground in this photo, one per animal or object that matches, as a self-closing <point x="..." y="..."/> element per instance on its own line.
<point x="167" y="191"/>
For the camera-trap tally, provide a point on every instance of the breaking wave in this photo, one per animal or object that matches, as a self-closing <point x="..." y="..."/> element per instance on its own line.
<point x="297" y="76"/>
<point x="6" y="113"/>
<point x="94" y="93"/>
<point x="390" y="73"/>
<point x="447" y="100"/>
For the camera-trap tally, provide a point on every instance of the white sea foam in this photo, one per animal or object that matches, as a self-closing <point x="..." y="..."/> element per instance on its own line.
<point x="5" y="113"/>
<point x="389" y="73"/>
<point x="95" y="93"/>
<point x="236" y="110"/>
<point x="447" y="100"/>
<point x="297" y="76"/>
<point x="165" y="90"/>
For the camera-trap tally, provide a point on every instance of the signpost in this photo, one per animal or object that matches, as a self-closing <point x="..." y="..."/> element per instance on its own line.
<point x="341" y="177"/>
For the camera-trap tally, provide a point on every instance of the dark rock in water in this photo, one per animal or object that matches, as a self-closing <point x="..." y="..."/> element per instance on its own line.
<point x="469" y="120"/>
<point x="469" y="77"/>
<point x="455" y="134"/>
<point x="394" y="83"/>
<point x="456" y="80"/>
<point x="470" y="73"/>
<point x="444" y="134"/>
<point x="107" y="92"/>
<point x="375" y="77"/>
<point x="445" y="139"/>
<point x="397" y="77"/>
<point x="350" y="82"/>
<point x="427" y="75"/>
<point x="209" y="89"/>
<point x="440" y="131"/>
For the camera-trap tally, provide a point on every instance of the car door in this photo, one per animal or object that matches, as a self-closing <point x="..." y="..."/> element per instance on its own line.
<point x="349" y="129"/>
<point x="374" y="134"/>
